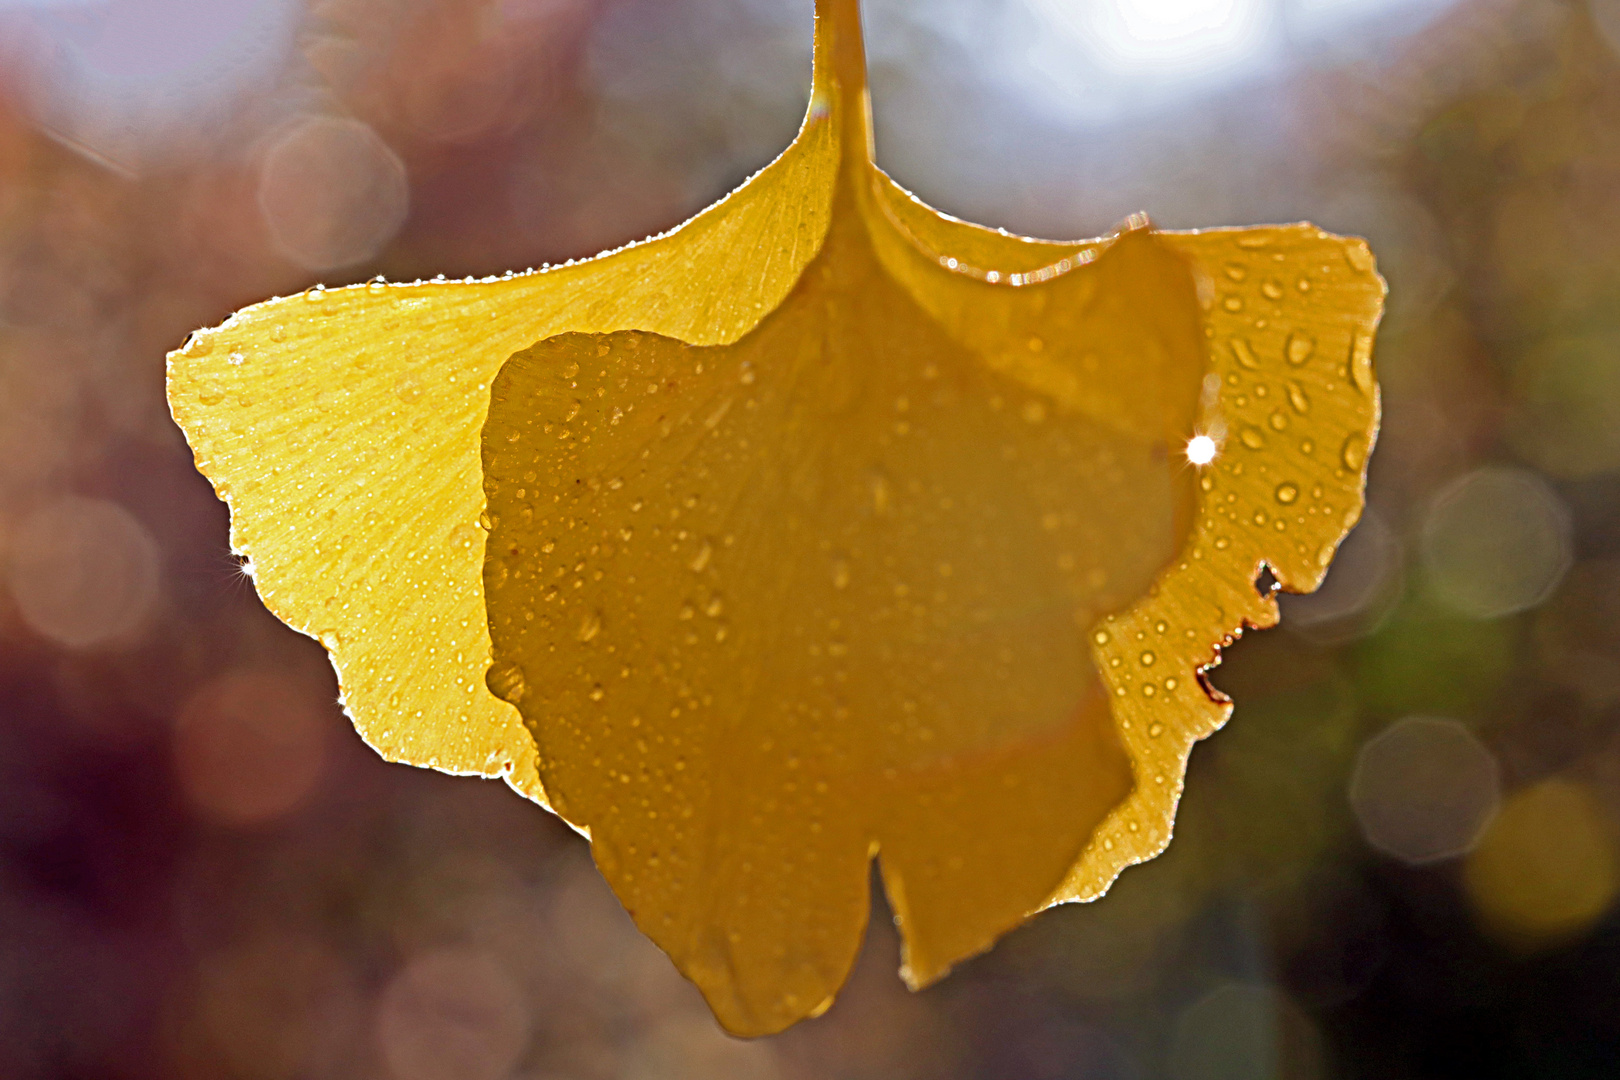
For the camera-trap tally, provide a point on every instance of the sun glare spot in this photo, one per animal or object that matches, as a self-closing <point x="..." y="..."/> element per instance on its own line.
<point x="1201" y="449"/>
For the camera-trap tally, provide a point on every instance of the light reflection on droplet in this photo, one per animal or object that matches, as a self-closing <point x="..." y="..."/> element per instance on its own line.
<point x="332" y="192"/>
<point x="1201" y="449"/>
<point x="1424" y="789"/>
<point x="84" y="572"/>
<point x="452" y="1014"/>
<point x="250" y="745"/>
<point x="1496" y="541"/>
<point x="1547" y="868"/>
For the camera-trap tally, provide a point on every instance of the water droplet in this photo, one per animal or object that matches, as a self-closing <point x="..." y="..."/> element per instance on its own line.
<point x="1272" y="290"/>
<point x="597" y="693"/>
<point x="407" y="389"/>
<point x="1299" y="348"/>
<point x="316" y="295"/>
<point x="1155" y="729"/>
<point x="1250" y="436"/>
<point x="1360" y="258"/>
<point x="840" y="574"/>
<point x="1287" y="493"/>
<point x="1260" y="517"/>
<point x="1278" y="421"/>
<point x="1297" y="398"/>
<point x="1100" y="637"/>
<point x="714" y="607"/>
<point x="1361" y="371"/>
<point x="880" y="494"/>
<point x="1222" y="543"/>
<point x="1354" y="451"/>
<point x="590" y="626"/>
<point x="1236" y="271"/>
<point x="701" y="559"/>
<point x="506" y="682"/>
<point x="747" y="373"/>
<point x="1232" y="303"/>
<point x="570" y="369"/>
<point x="1245" y="354"/>
<point x="1148" y="658"/>
<point x="1307" y="447"/>
<point x="1303" y="284"/>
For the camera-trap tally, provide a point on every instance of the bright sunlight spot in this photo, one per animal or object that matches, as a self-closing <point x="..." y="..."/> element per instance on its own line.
<point x="1170" y="36"/>
<point x="1172" y="29"/>
<point x="1201" y="449"/>
<point x="1102" y="60"/>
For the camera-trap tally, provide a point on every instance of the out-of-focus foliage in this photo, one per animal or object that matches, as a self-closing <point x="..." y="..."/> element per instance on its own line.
<point x="159" y="923"/>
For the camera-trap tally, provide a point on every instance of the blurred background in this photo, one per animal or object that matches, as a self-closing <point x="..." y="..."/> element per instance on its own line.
<point x="1399" y="860"/>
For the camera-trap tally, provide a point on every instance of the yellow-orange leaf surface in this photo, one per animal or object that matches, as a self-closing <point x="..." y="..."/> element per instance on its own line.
<point x="824" y="527"/>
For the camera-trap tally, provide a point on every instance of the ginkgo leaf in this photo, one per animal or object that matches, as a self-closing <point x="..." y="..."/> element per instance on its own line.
<point x="917" y="568"/>
<point x="341" y="426"/>
<point x="824" y="527"/>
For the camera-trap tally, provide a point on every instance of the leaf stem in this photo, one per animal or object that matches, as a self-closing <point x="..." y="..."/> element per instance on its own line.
<point x="840" y="73"/>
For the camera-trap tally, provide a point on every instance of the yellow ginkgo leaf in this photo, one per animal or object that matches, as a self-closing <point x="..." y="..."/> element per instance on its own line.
<point x="341" y="426"/>
<point x="822" y="527"/>
<point x="919" y="567"/>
